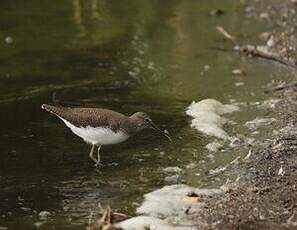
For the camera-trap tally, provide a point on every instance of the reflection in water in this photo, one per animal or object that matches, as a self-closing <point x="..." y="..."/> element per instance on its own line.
<point x="92" y="10"/>
<point x="93" y="21"/>
<point x="78" y="20"/>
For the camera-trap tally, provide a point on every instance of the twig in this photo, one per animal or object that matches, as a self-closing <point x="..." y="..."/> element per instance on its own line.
<point x="226" y="34"/>
<point x="254" y="51"/>
<point x="106" y="220"/>
<point x="281" y="87"/>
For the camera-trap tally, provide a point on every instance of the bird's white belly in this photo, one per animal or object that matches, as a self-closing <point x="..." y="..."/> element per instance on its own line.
<point x="97" y="135"/>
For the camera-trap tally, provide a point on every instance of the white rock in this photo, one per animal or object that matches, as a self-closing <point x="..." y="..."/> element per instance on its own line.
<point x="271" y="41"/>
<point x="44" y="215"/>
<point x="173" y="170"/>
<point x="8" y="40"/>
<point x="25" y="209"/>
<point x="213" y="146"/>
<point x="164" y="209"/>
<point x="38" y="224"/>
<point x="211" y="105"/>
<point x="217" y="170"/>
<point x="257" y="122"/>
<point x="207" y="119"/>
<point x="206" y="67"/>
<point x="239" y="83"/>
<point x="170" y="200"/>
<point x="144" y="223"/>
<point x="281" y="171"/>
<point x="289" y="130"/>
<point x="269" y="104"/>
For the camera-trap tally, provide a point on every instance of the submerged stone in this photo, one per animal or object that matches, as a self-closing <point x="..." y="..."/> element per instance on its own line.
<point x="43" y="215"/>
<point x="174" y="169"/>
<point x="213" y="146"/>
<point x="172" y="179"/>
<point x="257" y="122"/>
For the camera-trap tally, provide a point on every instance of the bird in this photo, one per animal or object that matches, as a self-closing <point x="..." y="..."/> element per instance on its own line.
<point x="98" y="126"/>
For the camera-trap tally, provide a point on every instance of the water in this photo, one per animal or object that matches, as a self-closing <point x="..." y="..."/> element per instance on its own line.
<point x="127" y="56"/>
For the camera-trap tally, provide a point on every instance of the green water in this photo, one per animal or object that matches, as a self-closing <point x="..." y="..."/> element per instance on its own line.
<point x="123" y="55"/>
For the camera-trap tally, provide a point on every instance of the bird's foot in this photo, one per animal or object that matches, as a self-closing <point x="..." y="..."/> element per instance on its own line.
<point x="113" y="164"/>
<point x="98" y="165"/>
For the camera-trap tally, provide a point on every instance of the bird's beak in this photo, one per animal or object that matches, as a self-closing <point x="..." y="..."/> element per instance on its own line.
<point x="163" y="133"/>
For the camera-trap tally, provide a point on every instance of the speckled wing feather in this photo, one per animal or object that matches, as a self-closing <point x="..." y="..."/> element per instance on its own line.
<point x="83" y="117"/>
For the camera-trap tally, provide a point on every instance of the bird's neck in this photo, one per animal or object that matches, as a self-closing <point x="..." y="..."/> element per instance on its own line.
<point x="133" y="126"/>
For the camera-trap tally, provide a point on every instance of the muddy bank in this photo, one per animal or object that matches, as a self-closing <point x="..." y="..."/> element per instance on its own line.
<point x="264" y="195"/>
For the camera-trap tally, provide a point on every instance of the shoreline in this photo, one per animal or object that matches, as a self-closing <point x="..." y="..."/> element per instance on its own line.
<point x="264" y="195"/>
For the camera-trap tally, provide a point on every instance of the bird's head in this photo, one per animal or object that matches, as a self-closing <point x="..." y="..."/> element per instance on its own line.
<point x="144" y="121"/>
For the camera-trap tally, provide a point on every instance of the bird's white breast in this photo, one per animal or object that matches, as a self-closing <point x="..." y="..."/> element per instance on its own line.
<point x="97" y="135"/>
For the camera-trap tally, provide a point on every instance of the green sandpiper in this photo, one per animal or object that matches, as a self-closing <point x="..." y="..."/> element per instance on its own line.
<point x="102" y="126"/>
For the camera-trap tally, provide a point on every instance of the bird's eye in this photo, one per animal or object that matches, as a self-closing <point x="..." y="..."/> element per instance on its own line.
<point x="146" y="119"/>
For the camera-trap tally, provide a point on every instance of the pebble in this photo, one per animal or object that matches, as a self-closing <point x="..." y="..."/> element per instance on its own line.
<point x="239" y="83"/>
<point x="264" y="36"/>
<point x="271" y="41"/>
<point x="44" y="215"/>
<point x="8" y="40"/>
<point x="257" y="122"/>
<point x="269" y="104"/>
<point x="238" y="72"/>
<point x="210" y="156"/>
<point x="38" y="224"/>
<point x="281" y="171"/>
<point x="206" y="67"/>
<point x="235" y="142"/>
<point x="25" y="209"/>
<point x="225" y="188"/>
<point x="216" y="12"/>
<point x="217" y="170"/>
<point x="172" y="179"/>
<point x="173" y="170"/>
<point x="213" y="146"/>
<point x="264" y="15"/>
<point x="191" y="166"/>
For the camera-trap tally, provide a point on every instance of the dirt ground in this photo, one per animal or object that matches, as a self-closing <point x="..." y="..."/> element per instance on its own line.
<point x="265" y="194"/>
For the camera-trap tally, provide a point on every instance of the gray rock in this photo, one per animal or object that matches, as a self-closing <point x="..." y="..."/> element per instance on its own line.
<point x="213" y="146"/>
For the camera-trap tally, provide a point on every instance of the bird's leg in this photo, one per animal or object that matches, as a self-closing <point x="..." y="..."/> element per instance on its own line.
<point x="98" y="157"/>
<point x="98" y="153"/>
<point x="91" y="154"/>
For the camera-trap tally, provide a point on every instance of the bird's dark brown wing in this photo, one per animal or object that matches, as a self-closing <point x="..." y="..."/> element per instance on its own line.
<point x="83" y="117"/>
